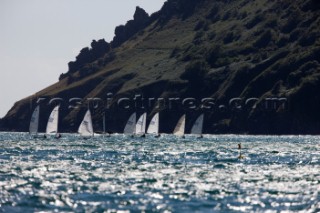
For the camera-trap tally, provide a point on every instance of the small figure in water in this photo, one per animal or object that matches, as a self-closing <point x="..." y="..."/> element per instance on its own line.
<point x="143" y="136"/>
<point x="240" y="154"/>
<point x="201" y="136"/>
<point x="183" y="137"/>
<point x="44" y="136"/>
<point x="157" y="136"/>
<point x="58" y="136"/>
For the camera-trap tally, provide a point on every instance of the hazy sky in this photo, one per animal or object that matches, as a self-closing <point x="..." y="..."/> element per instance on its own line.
<point x="39" y="37"/>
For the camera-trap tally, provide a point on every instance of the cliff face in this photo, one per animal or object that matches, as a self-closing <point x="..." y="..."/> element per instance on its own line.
<point x="251" y="66"/>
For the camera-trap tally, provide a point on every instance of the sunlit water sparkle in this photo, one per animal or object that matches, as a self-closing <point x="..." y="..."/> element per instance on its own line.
<point x="169" y="174"/>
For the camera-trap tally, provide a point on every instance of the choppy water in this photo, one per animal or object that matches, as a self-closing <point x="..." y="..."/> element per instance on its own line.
<point x="159" y="175"/>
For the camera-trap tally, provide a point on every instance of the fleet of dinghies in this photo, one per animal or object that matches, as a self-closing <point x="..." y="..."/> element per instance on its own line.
<point x="132" y="127"/>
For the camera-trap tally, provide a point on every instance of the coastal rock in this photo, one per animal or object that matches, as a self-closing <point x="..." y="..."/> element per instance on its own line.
<point x="88" y="55"/>
<point x="124" y="32"/>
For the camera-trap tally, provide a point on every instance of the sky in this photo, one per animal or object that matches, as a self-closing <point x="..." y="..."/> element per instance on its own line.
<point x="39" y="37"/>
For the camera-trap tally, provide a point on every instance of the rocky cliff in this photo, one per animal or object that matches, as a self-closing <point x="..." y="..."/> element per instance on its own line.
<point x="251" y="66"/>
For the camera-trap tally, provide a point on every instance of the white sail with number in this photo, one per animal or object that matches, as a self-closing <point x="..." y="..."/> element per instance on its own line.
<point x="179" y="130"/>
<point x="34" y="122"/>
<point x="130" y="127"/>
<point x="86" y="127"/>
<point x="141" y="124"/>
<point x="198" y="125"/>
<point x="154" y="125"/>
<point x="52" y="125"/>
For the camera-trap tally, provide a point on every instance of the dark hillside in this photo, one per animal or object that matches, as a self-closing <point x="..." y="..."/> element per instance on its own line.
<point x="252" y="66"/>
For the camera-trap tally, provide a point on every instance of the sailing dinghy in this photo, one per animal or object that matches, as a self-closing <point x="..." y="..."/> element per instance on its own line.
<point x="34" y="122"/>
<point x="130" y="127"/>
<point x="52" y="125"/>
<point x="86" y="127"/>
<point x="198" y="126"/>
<point x="141" y="125"/>
<point x="154" y="125"/>
<point x="179" y="130"/>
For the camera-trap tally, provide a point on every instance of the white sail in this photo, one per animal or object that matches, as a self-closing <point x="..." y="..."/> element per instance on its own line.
<point x="179" y="130"/>
<point x="131" y="125"/>
<point x="197" y="126"/>
<point x="154" y="125"/>
<point x="52" y="125"/>
<point x="86" y="128"/>
<point x="34" y="122"/>
<point x="141" y="124"/>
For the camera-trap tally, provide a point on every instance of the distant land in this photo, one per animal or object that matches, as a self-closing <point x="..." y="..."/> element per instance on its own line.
<point x="251" y="66"/>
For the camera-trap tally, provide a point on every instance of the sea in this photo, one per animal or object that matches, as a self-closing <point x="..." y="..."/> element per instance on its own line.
<point x="166" y="174"/>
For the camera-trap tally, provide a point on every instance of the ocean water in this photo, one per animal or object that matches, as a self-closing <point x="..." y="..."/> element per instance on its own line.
<point x="167" y="174"/>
